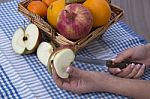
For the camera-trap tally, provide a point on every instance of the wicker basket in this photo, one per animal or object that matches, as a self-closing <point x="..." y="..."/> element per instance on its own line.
<point x="58" y="39"/>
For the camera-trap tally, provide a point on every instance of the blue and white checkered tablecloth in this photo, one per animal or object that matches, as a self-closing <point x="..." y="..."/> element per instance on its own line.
<point x="24" y="77"/>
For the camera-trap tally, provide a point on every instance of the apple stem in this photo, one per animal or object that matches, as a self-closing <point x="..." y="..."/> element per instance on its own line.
<point x="25" y="38"/>
<point x="70" y="15"/>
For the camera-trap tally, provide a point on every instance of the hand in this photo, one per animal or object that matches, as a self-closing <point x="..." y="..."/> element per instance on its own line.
<point x="131" y="71"/>
<point x="139" y="54"/>
<point x="80" y="81"/>
<point x="87" y="81"/>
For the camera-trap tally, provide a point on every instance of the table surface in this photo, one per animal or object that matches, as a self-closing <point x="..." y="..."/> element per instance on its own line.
<point x="24" y="77"/>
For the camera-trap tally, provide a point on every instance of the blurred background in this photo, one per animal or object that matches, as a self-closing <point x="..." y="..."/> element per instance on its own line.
<point x="136" y="15"/>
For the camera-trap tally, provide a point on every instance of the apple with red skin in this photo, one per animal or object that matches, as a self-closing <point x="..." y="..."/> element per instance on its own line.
<point x="74" y="22"/>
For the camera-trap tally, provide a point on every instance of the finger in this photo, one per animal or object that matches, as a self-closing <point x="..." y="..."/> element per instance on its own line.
<point x="134" y="71"/>
<point x="114" y="71"/>
<point x="122" y="56"/>
<point x="126" y="71"/>
<point x="140" y="72"/>
<point x="73" y="71"/>
<point x="57" y="80"/>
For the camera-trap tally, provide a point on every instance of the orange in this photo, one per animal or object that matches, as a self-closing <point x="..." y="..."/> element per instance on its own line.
<point x="54" y="10"/>
<point x="107" y="1"/>
<point x="100" y="10"/>
<point x="48" y="2"/>
<point x="38" y="7"/>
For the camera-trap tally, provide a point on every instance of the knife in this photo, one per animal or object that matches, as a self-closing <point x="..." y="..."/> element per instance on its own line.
<point x="108" y="63"/>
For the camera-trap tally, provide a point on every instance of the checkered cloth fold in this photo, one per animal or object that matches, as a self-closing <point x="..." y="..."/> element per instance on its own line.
<point x="24" y="77"/>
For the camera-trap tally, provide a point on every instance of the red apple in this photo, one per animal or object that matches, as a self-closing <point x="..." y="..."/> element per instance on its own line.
<point x="74" y="22"/>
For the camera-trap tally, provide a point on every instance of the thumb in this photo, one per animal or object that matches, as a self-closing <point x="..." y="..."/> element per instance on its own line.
<point x="73" y="71"/>
<point x="123" y="56"/>
<point x="114" y="71"/>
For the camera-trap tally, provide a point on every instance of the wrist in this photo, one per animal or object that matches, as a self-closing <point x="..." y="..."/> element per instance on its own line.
<point x="147" y="55"/>
<point x="102" y="82"/>
<point x="147" y="47"/>
<point x="113" y="84"/>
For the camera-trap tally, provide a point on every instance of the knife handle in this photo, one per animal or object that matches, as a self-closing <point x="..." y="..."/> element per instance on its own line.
<point x="123" y="64"/>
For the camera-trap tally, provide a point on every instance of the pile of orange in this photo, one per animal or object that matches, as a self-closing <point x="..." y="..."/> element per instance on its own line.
<point x="100" y="10"/>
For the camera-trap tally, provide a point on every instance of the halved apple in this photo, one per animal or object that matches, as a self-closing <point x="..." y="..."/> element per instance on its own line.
<point x="44" y="51"/>
<point x="25" y="42"/>
<point x="60" y="60"/>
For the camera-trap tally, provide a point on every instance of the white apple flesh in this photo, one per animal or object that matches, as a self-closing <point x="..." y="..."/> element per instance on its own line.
<point x="18" y="44"/>
<point x="32" y="34"/>
<point x="25" y="42"/>
<point x="61" y="60"/>
<point x="44" y="51"/>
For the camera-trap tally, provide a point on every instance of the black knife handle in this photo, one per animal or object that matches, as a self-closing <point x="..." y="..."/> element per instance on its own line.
<point x="123" y="64"/>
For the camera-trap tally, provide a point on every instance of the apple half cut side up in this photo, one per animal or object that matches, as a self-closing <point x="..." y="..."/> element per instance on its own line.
<point x="25" y="42"/>
<point x="61" y="60"/>
<point x="44" y="51"/>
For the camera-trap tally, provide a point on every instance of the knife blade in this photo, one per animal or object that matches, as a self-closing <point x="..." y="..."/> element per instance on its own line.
<point x="108" y="63"/>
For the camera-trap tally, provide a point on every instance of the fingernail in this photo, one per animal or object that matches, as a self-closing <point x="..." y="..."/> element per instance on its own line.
<point x="143" y="66"/>
<point x="132" y="65"/>
<point x="68" y="69"/>
<point x="138" y="66"/>
<point x="113" y="59"/>
<point x="118" y="70"/>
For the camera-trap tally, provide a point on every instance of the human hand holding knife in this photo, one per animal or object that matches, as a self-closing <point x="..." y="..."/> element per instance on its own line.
<point x="108" y="63"/>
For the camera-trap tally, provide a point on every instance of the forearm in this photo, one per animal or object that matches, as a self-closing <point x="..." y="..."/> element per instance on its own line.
<point x="128" y="87"/>
<point x="148" y="54"/>
<point x="148" y="48"/>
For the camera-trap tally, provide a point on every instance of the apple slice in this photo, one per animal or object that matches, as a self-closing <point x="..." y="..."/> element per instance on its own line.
<point x="25" y="42"/>
<point x="44" y="51"/>
<point x="62" y="59"/>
